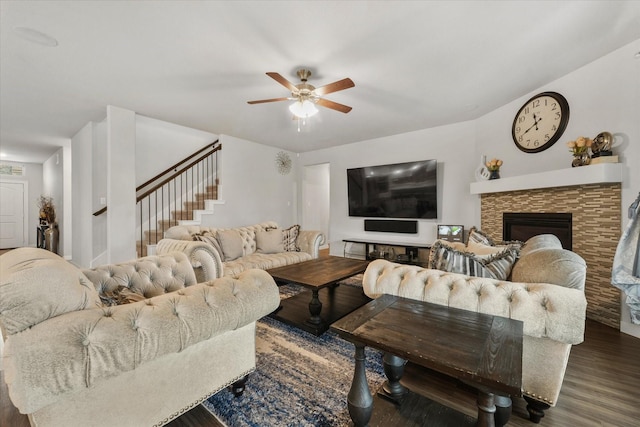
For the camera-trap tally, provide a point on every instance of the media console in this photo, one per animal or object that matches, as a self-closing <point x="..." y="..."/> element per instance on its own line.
<point x="412" y="251"/>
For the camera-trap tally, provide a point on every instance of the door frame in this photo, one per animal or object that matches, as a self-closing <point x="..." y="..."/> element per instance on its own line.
<point x="25" y="209"/>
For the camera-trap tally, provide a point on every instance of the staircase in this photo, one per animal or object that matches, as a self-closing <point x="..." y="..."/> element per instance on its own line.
<point x="178" y="196"/>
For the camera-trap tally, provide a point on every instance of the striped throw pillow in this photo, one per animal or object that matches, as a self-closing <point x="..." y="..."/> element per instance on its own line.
<point x="498" y="266"/>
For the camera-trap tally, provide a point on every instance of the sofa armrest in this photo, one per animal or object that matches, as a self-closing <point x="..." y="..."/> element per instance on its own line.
<point x="76" y="350"/>
<point x="547" y="310"/>
<point x="309" y="241"/>
<point x="204" y="258"/>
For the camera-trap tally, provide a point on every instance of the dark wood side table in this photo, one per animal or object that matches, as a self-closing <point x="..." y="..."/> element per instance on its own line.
<point x="479" y="349"/>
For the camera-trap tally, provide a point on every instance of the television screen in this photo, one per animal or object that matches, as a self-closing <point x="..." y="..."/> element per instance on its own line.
<point x="401" y="190"/>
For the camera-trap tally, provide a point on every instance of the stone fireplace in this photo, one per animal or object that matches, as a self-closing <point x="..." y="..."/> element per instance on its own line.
<point x="596" y="218"/>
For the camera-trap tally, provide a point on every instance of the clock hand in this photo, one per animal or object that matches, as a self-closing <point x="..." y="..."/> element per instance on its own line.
<point x="535" y="124"/>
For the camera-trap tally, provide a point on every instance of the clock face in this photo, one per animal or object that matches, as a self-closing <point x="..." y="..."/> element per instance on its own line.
<point x="540" y="122"/>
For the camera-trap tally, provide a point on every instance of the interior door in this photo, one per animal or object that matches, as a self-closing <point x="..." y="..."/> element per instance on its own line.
<point x="12" y="214"/>
<point x="315" y="199"/>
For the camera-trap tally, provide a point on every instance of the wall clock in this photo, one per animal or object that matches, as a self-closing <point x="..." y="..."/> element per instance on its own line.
<point x="283" y="163"/>
<point x="540" y="122"/>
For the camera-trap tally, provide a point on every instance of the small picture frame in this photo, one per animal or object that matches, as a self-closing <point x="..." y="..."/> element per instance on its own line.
<point x="451" y="233"/>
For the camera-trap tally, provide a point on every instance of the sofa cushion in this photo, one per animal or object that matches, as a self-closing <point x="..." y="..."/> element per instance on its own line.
<point x="497" y="266"/>
<point x="290" y="235"/>
<point x="230" y="243"/>
<point x="37" y="285"/>
<point x="263" y="261"/>
<point x="269" y="241"/>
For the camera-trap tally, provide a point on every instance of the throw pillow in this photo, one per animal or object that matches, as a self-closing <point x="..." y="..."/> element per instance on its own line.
<point x="481" y="238"/>
<point x="477" y="236"/>
<point x="211" y="239"/>
<point x="269" y="241"/>
<point x="289" y="237"/>
<point x="230" y="243"/>
<point x="498" y="266"/>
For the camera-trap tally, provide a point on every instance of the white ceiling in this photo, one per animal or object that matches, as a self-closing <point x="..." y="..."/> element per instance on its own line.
<point x="196" y="63"/>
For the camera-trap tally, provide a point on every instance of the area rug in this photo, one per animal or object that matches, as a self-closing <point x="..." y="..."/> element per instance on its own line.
<point x="300" y="380"/>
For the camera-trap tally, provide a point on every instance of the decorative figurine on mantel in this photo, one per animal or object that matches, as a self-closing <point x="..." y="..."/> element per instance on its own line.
<point x="601" y="149"/>
<point x="602" y="145"/>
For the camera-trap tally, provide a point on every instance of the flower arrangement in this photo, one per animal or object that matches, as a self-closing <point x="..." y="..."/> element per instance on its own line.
<point x="494" y="165"/>
<point x="580" y="145"/>
<point x="47" y="210"/>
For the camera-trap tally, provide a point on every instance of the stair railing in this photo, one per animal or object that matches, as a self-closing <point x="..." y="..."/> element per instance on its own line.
<point x="161" y="201"/>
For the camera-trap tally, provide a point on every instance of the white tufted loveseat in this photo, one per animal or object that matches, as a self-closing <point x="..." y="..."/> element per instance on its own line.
<point x="208" y="262"/>
<point x="71" y="360"/>
<point x="547" y="294"/>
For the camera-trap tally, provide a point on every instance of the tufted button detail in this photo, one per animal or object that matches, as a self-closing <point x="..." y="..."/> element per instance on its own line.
<point x="86" y="342"/>
<point x="479" y="293"/>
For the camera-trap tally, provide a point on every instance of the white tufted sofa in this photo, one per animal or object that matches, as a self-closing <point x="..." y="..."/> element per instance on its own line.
<point x="70" y="360"/>
<point x="553" y="315"/>
<point x="208" y="264"/>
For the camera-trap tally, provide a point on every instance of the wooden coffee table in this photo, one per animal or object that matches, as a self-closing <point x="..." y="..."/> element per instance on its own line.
<point x="325" y="302"/>
<point x="481" y="350"/>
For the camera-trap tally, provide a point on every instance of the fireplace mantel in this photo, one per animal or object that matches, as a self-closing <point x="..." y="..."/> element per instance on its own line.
<point x="583" y="175"/>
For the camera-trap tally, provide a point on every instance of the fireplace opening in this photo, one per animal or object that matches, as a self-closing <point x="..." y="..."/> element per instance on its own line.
<point x="522" y="226"/>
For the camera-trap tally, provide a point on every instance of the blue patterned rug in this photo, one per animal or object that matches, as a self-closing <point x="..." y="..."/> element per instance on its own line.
<point x="300" y="380"/>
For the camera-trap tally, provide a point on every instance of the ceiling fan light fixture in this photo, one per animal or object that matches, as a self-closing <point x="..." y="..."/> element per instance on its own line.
<point x="303" y="109"/>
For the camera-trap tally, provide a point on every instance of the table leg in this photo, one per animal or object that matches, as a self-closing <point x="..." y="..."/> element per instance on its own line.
<point x="393" y="369"/>
<point x="315" y="307"/>
<point x="503" y="410"/>
<point x="486" y="409"/>
<point x="359" y="399"/>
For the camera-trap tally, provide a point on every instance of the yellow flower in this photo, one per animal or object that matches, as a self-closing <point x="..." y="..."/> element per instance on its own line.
<point x="494" y="164"/>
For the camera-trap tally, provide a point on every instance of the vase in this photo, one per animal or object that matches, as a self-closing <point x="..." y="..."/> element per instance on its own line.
<point x="580" y="159"/>
<point x="51" y="238"/>
<point x="494" y="174"/>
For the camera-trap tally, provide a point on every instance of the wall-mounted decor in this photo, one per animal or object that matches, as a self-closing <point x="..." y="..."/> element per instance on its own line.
<point x="540" y="122"/>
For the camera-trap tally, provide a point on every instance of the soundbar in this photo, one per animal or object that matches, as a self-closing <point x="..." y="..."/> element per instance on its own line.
<point x="391" y="226"/>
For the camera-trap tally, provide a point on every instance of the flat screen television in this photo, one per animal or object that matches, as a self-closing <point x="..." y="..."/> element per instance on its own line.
<point x="401" y="190"/>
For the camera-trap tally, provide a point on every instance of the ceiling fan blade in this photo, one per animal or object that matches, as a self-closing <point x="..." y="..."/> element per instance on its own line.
<point x="262" y="101"/>
<point x="284" y="82"/>
<point x="333" y="105"/>
<point x="335" y="86"/>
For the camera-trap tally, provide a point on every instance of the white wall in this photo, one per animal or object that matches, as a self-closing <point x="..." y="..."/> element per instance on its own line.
<point x="33" y="176"/>
<point x="53" y="186"/>
<point x="251" y="186"/>
<point x="82" y="213"/>
<point x="602" y="96"/>
<point x="316" y="198"/>
<point x="155" y="138"/>
<point x="452" y="146"/>
<point x="121" y="188"/>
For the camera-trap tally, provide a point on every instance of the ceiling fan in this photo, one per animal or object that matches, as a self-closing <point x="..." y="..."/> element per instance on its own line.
<point x="306" y="96"/>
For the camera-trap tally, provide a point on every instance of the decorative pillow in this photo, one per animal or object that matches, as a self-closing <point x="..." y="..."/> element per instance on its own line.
<point x="477" y="236"/>
<point x="269" y="241"/>
<point x="498" y="266"/>
<point x="289" y="237"/>
<point x="121" y="295"/>
<point x="211" y="239"/>
<point x="230" y="243"/>
<point x="481" y="238"/>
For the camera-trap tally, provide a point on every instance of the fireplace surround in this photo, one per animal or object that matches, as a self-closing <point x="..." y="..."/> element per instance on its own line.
<point x="596" y="218"/>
